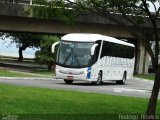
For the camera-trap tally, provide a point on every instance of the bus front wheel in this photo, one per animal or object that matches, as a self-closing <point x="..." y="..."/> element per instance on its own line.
<point x="68" y="81"/>
<point x="99" y="79"/>
<point x="123" y="79"/>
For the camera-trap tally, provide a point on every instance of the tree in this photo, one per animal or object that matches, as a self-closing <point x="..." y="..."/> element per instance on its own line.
<point x="55" y="9"/>
<point x="23" y="41"/>
<point x="44" y="55"/>
<point x="132" y="15"/>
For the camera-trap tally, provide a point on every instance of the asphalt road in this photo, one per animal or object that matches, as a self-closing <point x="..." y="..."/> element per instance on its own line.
<point x="133" y="87"/>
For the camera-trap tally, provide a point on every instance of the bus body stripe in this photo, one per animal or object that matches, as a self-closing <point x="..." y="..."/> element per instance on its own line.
<point x="89" y="73"/>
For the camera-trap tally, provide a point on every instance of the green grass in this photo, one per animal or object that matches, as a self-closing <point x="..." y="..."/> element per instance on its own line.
<point x="7" y="73"/>
<point x="29" y="61"/>
<point x="70" y="104"/>
<point x="37" y="73"/>
<point x="44" y="72"/>
<point x="148" y="77"/>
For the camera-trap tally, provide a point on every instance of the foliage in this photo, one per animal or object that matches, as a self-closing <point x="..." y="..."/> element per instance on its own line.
<point x="44" y="55"/>
<point x="53" y="10"/>
<point x="44" y="72"/>
<point x="7" y="73"/>
<point x="23" y="41"/>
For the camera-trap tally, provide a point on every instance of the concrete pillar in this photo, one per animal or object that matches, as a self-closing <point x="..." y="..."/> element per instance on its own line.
<point x="146" y="63"/>
<point x="142" y="62"/>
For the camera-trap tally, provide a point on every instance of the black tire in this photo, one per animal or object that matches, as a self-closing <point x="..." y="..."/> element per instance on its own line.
<point x="99" y="79"/>
<point x="122" y="82"/>
<point x="68" y="81"/>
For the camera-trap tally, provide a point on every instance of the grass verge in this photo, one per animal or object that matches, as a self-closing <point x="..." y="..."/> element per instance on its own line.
<point x="63" y="105"/>
<point x="44" y="72"/>
<point x="7" y="73"/>
<point x="148" y="77"/>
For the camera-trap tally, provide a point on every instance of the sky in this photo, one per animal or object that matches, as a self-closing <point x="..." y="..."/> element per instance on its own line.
<point x="152" y="7"/>
<point x="7" y="49"/>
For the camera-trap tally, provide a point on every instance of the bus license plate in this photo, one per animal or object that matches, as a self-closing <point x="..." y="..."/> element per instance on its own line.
<point x="70" y="77"/>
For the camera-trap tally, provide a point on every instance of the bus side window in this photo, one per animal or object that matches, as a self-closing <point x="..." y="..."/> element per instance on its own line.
<point x="96" y="54"/>
<point x="123" y="52"/>
<point x="117" y="50"/>
<point x="131" y="52"/>
<point x="127" y="52"/>
<point x="108" y="51"/>
<point x="113" y="51"/>
<point x="105" y="49"/>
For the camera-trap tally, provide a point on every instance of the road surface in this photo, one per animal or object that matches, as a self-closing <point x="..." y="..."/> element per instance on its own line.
<point x="133" y="87"/>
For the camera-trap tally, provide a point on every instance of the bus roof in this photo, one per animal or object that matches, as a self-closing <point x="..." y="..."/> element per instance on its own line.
<point x="83" y="37"/>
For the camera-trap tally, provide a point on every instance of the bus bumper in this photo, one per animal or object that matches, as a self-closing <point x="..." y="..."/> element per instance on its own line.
<point x="73" y="74"/>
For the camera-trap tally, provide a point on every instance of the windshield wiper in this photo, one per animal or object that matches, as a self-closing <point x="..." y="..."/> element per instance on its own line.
<point x="77" y="60"/>
<point x="67" y="58"/>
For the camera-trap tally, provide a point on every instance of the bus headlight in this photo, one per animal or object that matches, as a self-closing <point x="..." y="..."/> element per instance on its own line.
<point x="85" y="72"/>
<point x="57" y="70"/>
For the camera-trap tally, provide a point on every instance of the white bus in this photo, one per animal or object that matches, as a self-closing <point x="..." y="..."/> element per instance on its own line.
<point x="94" y="58"/>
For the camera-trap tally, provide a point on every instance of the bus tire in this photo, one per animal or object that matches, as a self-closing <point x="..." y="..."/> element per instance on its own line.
<point x="122" y="82"/>
<point x="99" y="79"/>
<point x="68" y="81"/>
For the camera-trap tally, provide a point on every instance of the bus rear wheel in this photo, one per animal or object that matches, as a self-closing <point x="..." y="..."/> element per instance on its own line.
<point x="122" y="82"/>
<point x="68" y="81"/>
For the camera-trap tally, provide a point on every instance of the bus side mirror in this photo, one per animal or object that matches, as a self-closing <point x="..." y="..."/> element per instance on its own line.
<point x="93" y="48"/>
<point x="53" y="47"/>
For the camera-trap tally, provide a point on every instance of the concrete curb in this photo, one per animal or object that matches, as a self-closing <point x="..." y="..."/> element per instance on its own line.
<point x="52" y="78"/>
<point x="25" y="78"/>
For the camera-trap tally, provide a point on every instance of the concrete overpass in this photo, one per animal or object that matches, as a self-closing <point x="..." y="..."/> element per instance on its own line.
<point x="13" y="18"/>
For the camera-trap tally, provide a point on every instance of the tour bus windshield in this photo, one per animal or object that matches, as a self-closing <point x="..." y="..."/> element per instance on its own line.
<point x="74" y="54"/>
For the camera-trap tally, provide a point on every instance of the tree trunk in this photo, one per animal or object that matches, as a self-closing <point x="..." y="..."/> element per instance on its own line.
<point x="136" y="59"/>
<point x="50" y="66"/>
<point x="154" y="96"/>
<point x="151" y="110"/>
<point x="20" y="54"/>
